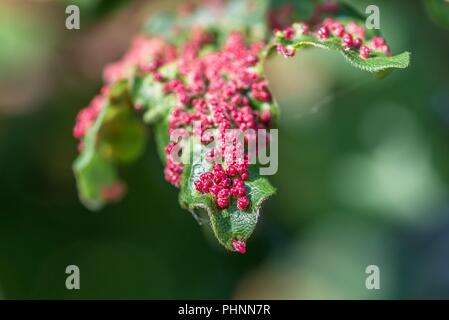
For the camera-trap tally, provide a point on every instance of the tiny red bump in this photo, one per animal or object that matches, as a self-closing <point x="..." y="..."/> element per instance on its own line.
<point x="224" y="194"/>
<point x="239" y="183"/>
<point x="214" y="190"/>
<point x="222" y="203"/>
<point x="241" y="168"/>
<point x="286" y="52"/>
<point x="338" y="29"/>
<point x="265" y="116"/>
<point x="242" y="202"/>
<point x="206" y="176"/>
<point x="226" y="182"/>
<point x="364" y="52"/>
<point x="239" y="246"/>
<point x="377" y="42"/>
<point x="357" y="43"/>
<point x="241" y="191"/>
<point x="198" y="185"/>
<point x="347" y="40"/>
<point x="218" y="177"/>
<point x="206" y="185"/>
<point x="385" y="49"/>
<point x="289" y="33"/>
<point x="231" y="171"/>
<point x="235" y="192"/>
<point x="323" y="32"/>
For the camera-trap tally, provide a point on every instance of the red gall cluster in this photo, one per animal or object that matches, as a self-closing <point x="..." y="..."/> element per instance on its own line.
<point x="223" y="185"/>
<point x="352" y="37"/>
<point x="239" y="246"/>
<point x="214" y="93"/>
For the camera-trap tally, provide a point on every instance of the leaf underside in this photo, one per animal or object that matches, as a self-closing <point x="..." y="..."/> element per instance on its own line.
<point x="117" y="136"/>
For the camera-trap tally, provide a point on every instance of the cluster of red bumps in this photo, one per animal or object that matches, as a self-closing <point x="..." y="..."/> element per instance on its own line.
<point x="223" y="185"/>
<point x="352" y="37"/>
<point x="217" y="93"/>
<point x="216" y="90"/>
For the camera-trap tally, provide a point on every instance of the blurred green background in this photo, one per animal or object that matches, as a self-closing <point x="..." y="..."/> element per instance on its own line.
<point x="363" y="173"/>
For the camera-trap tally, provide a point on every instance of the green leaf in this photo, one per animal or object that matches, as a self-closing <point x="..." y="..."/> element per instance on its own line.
<point x="439" y="11"/>
<point x="230" y="223"/>
<point x="286" y="12"/>
<point x="379" y="63"/>
<point x="117" y="136"/>
<point x="93" y="174"/>
<point x="120" y="138"/>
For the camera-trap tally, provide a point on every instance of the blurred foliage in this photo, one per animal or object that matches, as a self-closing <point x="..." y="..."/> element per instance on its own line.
<point x="363" y="179"/>
<point x="19" y="35"/>
<point x="97" y="8"/>
<point x="439" y="11"/>
<point x="244" y="15"/>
